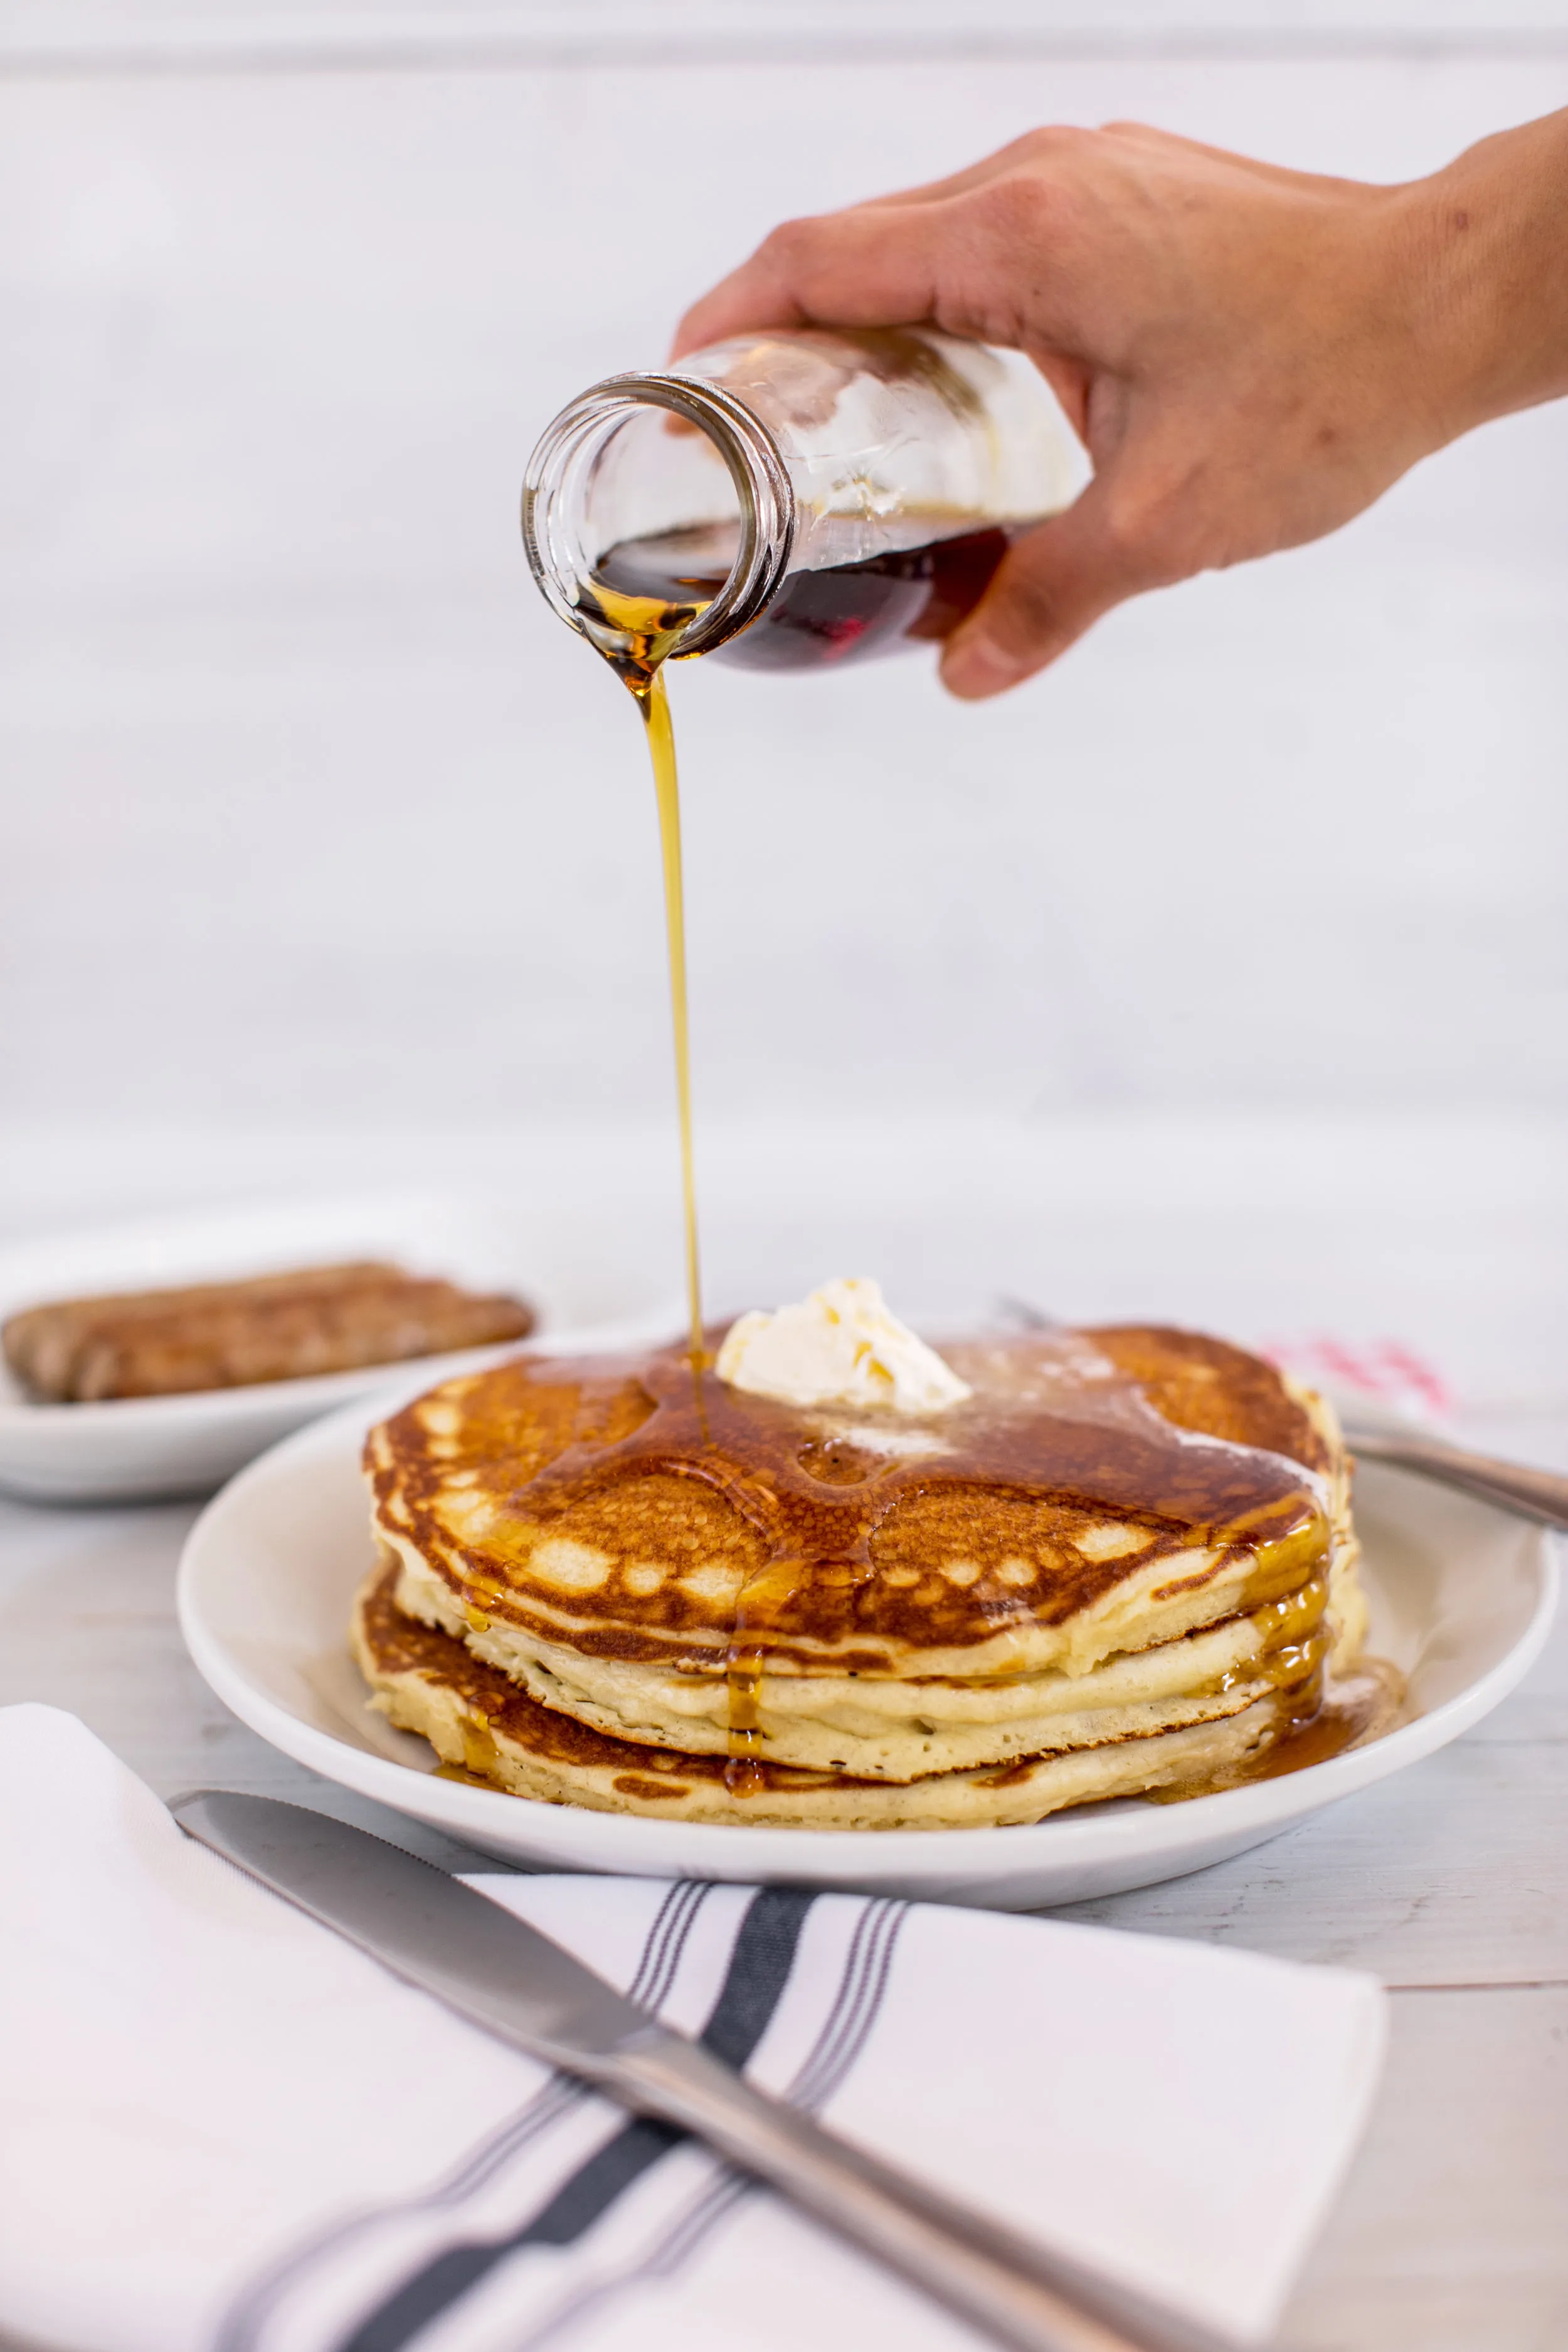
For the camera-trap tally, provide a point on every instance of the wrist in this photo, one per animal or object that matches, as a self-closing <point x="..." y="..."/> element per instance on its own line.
<point x="1484" y="239"/>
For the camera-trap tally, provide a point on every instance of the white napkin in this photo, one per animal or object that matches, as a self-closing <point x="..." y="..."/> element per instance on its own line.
<point x="228" y="2131"/>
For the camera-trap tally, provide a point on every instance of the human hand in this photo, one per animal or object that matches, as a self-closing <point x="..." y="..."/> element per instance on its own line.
<point x="1251" y="355"/>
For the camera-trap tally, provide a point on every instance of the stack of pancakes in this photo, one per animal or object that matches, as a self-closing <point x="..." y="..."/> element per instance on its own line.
<point x="1124" y="1564"/>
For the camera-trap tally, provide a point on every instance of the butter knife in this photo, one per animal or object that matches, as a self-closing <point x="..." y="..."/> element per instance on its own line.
<point x="514" y="1982"/>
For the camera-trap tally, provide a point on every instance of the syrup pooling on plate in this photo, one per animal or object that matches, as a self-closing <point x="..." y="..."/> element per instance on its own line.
<point x="1315" y="1725"/>
<point x="1051" y="1418"/>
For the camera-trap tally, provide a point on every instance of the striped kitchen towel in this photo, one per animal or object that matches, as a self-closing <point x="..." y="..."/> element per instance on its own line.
<point x="228" y="2131"/>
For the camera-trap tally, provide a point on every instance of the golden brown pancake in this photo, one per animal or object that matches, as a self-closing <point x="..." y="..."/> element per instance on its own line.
<point x="1125" y="1562"/>
<point x="485" y="1728"/>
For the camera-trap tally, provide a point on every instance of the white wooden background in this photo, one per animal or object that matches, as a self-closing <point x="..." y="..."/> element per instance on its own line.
<point x="304" y="786"/>
<point x="1220" y="975"/>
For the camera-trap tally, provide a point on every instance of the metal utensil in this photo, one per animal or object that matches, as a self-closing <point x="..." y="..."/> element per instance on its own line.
<point x="1540" y="1495"/>
<point x="506" y="1976"/>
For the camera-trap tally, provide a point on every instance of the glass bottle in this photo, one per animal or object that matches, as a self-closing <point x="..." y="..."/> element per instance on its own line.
<point x="795" y="499"/>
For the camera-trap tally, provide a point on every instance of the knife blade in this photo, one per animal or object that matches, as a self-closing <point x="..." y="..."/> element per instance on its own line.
<point x="514" y="1982"/>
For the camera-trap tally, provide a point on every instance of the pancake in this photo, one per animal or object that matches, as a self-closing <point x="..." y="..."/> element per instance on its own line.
<point x="1124" y="1562"/>
<point x="485" y="1727"/>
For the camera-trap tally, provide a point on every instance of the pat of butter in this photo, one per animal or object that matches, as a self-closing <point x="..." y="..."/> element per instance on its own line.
<point x="840" y="1346"/>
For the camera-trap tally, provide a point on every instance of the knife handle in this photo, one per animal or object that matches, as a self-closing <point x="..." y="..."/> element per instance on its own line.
<point x="1007" y="2285"/>
<point x="1540" y="1495"/>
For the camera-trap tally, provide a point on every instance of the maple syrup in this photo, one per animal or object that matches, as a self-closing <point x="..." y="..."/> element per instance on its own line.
<point x="905" y="594"/>
<point x="645" y="596"/>
<point x="1316" y="1722"/>
<point x="642" y="631"/>
<point x="647" y="593"/>
<point x="785" y="500"/>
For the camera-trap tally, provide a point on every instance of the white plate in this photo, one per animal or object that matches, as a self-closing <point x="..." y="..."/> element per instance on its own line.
<point x="1462" y="1598"/>
<point x="586" y="1275"/>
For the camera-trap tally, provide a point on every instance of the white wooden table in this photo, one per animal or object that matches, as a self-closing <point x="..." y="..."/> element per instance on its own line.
<point x="1449" y="1882"/>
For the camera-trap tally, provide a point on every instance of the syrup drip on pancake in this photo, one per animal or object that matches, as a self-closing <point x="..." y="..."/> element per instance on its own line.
<point x="1053" y="1416"/>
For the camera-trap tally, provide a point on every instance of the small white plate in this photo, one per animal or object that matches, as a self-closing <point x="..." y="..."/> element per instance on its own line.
<point x="1462" y="1598"/>
<point x="587" y="1279"/>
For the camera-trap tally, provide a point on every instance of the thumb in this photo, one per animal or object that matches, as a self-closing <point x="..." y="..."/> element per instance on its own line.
<point x="1050" y="587"/>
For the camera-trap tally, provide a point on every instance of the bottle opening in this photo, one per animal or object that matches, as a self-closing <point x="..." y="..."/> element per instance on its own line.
<point x="657" y="517"/>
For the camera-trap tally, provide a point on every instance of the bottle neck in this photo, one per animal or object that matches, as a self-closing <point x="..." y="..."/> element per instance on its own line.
<point x="565" y="542"/>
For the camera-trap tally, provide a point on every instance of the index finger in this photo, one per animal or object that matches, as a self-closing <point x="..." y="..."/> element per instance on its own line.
<point x="908" y="258"/>
<point x="881" y="265"/>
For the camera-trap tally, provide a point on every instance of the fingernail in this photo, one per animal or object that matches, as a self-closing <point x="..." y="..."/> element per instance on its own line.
<point x="974" y="666"/>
